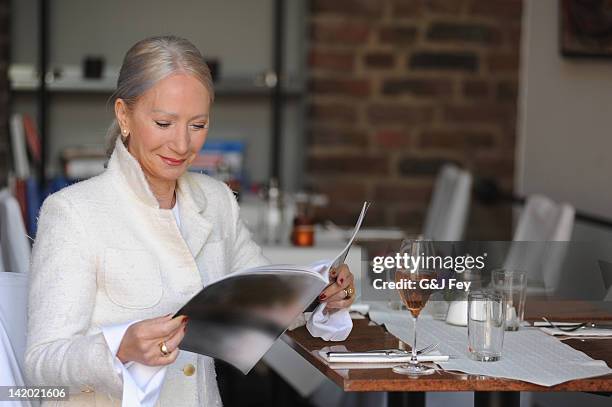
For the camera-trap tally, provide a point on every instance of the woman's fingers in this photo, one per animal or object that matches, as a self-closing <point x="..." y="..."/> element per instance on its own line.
<point x="340" y="304"/>
<point x="175" y="340"/>
<point x="337" y="287"/>
<point x="163" y="328"/>
<point x="343" y="274"/>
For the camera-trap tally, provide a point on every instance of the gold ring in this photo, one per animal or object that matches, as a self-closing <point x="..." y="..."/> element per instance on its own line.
<point x="348" y="292"/>
<point x="163" y="348"/>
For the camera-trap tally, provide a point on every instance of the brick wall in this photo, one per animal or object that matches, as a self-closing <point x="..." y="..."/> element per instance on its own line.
<point x="397" y="88"/>
<point x="4" y="89"/>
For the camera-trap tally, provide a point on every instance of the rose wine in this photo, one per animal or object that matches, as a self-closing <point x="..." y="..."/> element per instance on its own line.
<point x="414" y="298"/>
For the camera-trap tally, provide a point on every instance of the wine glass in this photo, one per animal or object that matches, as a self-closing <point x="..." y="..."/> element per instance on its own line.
<point x="415" y="296"/>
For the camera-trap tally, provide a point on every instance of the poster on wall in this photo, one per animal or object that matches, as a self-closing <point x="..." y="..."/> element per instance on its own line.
<point x="586" y="28"/>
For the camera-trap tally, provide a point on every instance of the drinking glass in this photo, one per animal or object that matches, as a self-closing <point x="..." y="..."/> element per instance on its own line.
<point x="486" y="320"/>
<point x="513" y="284"/>
<point x="415" y="298"/>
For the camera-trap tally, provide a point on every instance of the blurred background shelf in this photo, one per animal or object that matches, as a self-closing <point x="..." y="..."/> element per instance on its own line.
<point x="232" y="86"/>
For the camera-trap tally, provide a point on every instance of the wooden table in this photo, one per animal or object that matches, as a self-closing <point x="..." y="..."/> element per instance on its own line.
<point x="490" y="391"/>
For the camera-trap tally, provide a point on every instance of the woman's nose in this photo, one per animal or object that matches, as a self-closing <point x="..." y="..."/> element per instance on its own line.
<point x="181" y="141"/>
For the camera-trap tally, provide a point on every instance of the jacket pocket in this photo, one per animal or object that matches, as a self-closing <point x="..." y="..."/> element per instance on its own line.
<point x="132" y="278"/>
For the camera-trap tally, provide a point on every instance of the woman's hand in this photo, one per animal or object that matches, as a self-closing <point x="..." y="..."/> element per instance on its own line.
<point x="341" y="292"/>
<point x="142" y="340"/>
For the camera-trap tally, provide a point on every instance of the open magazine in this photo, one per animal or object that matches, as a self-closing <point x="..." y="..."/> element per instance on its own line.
<point x="238" y="318"/>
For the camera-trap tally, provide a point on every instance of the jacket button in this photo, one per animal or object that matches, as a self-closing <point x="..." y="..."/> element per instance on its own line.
<point x="189" y="369"/>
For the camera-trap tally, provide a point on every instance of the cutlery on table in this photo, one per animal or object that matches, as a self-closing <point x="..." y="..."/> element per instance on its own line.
<point x="383" y="352"/>
<point x="571" y="327"/>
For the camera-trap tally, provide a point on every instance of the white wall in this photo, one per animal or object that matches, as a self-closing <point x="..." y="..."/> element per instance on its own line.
<point x="564" y="148"/>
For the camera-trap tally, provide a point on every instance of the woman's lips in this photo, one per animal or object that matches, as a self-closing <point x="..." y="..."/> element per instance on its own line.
<point x="172" y="161"/>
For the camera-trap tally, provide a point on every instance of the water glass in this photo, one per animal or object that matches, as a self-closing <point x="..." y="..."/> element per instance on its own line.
<point x="513" y="284"/>
<point x="486" y="320"/>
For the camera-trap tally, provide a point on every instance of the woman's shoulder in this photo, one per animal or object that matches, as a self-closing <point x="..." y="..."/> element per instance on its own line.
<point x="82" y="192"/>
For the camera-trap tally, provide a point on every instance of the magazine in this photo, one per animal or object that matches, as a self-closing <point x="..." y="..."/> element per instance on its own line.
<point x="238" y="318"/>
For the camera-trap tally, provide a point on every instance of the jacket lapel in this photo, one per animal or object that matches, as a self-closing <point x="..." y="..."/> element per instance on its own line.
<point x="196" y="227"/>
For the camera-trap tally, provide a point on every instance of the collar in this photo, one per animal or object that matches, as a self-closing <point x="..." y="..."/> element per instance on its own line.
<point x="190" y="196"/>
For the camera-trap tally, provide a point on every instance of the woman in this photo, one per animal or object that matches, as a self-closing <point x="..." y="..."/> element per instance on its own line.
<point x="116" y="255"/>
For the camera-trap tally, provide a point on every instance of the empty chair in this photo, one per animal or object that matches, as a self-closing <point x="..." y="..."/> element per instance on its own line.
<point x="13" y="236"/>
<point x="449" y="206"/>
<point x="542" y="223"/>
<point x="606" y="274"/>
<point x="13" y="318"/>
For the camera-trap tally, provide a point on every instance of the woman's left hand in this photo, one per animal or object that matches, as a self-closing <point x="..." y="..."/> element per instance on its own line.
<point x="341" y="292"/>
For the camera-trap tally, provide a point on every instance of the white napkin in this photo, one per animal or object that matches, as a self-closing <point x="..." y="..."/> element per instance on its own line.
<point x="332" y="326"/>
<point x="142" y="384"/>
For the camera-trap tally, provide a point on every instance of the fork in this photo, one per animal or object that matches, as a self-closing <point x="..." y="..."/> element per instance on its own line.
<point x="421" y="351"/>
<point x="566" y="328"/>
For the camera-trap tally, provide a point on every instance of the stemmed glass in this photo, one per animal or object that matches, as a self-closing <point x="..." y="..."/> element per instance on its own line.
<point x="415" y="297"/>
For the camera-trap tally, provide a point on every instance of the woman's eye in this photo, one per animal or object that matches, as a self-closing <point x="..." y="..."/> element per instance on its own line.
<point x="201" y="126"/>
<point x="162" y="124"/>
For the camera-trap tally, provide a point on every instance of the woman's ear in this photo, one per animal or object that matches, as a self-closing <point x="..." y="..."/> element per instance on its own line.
<point x="121" y="113"/>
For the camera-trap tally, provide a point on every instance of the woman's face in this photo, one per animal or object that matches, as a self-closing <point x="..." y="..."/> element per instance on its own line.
<point x="167" y="125"/>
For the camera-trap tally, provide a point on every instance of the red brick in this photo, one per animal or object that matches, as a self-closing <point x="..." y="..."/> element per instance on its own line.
<point x="349" y="164"/>
<point x="500" y="9"/>
<point x="379" y="60"/>
<point x="493" y="164"/>
<point x="418" y="87"/>
<point x="403" y="193"/>
<point x="342" y="191"/>
<point x="415" y="165"/>
<point x="331" y="136"/>
<point x="381" y="114"/>
<point x="342" y="87"/>
<point x="445" y="6"/>
<point x="347" y="32"/>
<point x="333" y="112"/>
<point x="360" y="8"/>
<point x="407" y="8"/>
<point x="393" y="138"/>
<point x="456" y="139"/>
<point x="507" y="91"/>
<point x="503" y="62"/>
<point x="452" y="32"/>
<point x="475" y="89"/>
<point x="397" y="35"/>
<point x="333" y="60"/>
<point x="482" y="113"/>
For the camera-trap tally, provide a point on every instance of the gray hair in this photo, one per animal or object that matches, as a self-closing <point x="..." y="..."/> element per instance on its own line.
<point x="149" y="61"/>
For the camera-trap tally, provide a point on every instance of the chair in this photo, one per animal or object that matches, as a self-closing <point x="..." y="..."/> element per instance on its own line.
<point x="448" y="209"/>
<point x="606" y="274"/>
<point x="13" y="236"/>
<point x="13" y="319"/>
<point x="541" y="223"/>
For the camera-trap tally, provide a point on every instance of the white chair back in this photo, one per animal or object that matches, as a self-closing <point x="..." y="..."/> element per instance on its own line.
<point x="13" y="310"/>
<point x="542" y="223"/>
<point x="13" y="236"/>
<point x="449" y="206"/>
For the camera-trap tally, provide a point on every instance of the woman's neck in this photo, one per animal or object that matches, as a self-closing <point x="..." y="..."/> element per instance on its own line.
<point x="164" y="192"/>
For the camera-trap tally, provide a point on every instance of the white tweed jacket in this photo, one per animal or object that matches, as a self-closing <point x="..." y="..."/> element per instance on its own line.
<point x="105" y="253"/>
